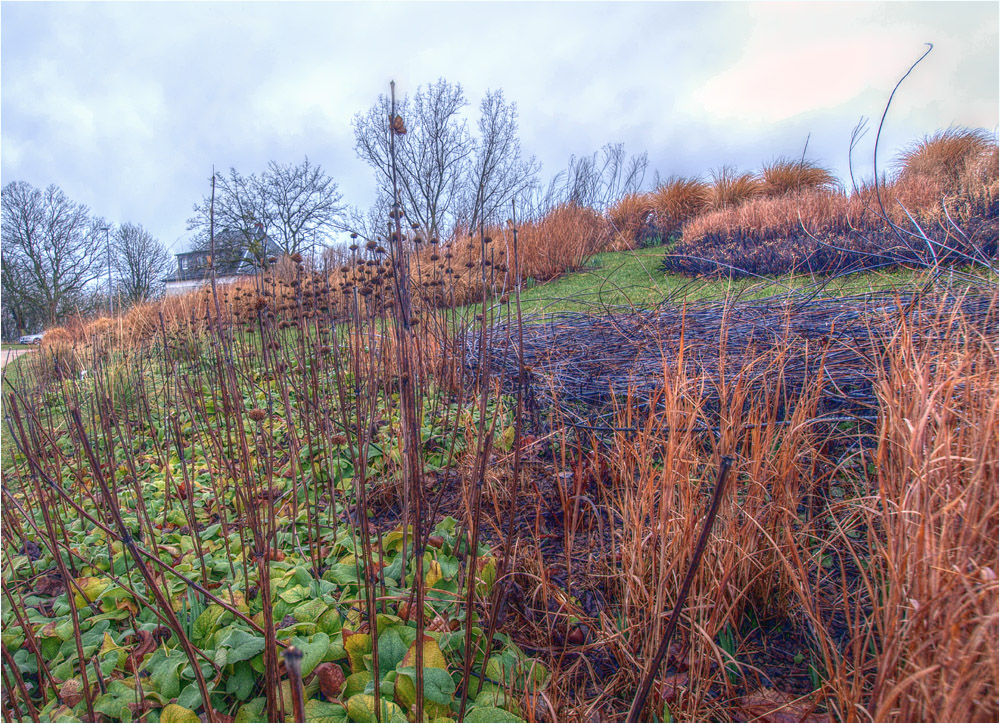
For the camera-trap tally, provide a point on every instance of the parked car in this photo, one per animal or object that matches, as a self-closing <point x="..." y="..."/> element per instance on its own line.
<point x="31" y="338"/>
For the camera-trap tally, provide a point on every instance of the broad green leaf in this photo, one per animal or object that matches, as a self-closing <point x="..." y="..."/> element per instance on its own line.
<point x="114" y="707"/>
<point x="163" y="667"/>
<point x="241" y="681"/>
<point x="439" y="688"/>
<point x="391" y="649"/>
<point x="329" y="622"/>
<point x="242" y="645"/>
<point x="310" y="611"/>
<point x="361" y="708"/>
<point x="295" y="594"/>
<point x="357" y="646"/>
<point x="313" y="650"/>
<point x="487" y="714"/>
<point x="324" y="711"/>
<point x="172" y="713"/>
<point x="356" y="684"/>
<point x="205" y="624"/>
<point x="190" y="696"/>
<point x="252" y="711"/>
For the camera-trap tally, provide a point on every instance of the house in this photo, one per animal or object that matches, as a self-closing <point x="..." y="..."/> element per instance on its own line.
<point x="235" y="258"/>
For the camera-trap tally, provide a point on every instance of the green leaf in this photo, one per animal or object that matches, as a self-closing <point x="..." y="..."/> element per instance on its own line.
<point x="391" y="649"/>
<point x="114" y="707"/>
<point x="241" y="681"/>
<point x="357" y="646"/>
<point x="361" y="708"/>
<point x="174" y="713"/>
<point x="295" y="594"/>
<point x="190" y="696"/>
<point x="242" y="645"/>
<point x="310" y="611"/>
<point x="439" y="687"/>
<point x="324" y="711"/>
<point x="329" y="622"/>
<point x="355" y="684"/>
<point x="490" y="714"/>
<point x="205" y="624"/>
<point x="252" y="711"/>
<point x="163" y="667"/>
<point x="313" y="650"/>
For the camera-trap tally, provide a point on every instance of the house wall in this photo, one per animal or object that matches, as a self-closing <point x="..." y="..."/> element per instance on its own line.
<point x="177" y="288"/>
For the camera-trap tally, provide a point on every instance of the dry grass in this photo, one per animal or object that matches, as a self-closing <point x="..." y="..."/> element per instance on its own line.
<point x="946" y="155"/>
<point x="730" y="188"/>
<point x="785" y="175"/>
<point x="676" y="201"/>
<point x="630" y="221"/>
<point x="874" y="550"/>
<point x="818" y="211"/>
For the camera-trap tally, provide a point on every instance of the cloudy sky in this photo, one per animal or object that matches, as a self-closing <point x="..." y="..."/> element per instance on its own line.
<point x="127" y="106"/>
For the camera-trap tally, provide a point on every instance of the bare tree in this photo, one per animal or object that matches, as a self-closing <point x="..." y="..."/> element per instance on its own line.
<point x="304" y="204"/>
<point x="598" y="180"/>
<point x="497" y="173"/>
<point x="433" y="151"/>
<point x="51" y="250"/>
<point x="140" y="261"/>
<point x="241" y="208"/>
<point x="19" y="312"/>
<point x="295" y="206"/>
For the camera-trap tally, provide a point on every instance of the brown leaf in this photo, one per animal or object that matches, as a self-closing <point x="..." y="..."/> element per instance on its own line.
<point x="50" y="585"/>
<point x="439" y="624"/>
<point x="668" y="687"/>
<point x="331" y="679"/>
<point x="71" y="692"/>
<point x="148" y="642"/>
<point x="769" y="705"/>
<point x="677" y="657"/>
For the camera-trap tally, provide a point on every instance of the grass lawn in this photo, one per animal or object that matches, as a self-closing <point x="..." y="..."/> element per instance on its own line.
<point x="625" y="279"/>
<point x="5" y="347"/>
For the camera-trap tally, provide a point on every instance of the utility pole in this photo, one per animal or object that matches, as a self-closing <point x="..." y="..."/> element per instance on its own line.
<point x="107" y="245"/>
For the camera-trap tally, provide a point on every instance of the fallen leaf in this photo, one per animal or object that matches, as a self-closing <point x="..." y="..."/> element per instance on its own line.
<point x="668" y="687"/>
<point x="769" y="705"/>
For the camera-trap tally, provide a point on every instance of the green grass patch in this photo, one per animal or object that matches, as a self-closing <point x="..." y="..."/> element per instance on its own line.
<point x="619" y="280"/>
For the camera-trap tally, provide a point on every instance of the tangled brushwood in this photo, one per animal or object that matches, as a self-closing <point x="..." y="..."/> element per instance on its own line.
<point x="589" y="364"/>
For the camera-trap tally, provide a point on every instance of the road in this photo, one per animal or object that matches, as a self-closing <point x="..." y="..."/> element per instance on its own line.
<point x="9" y="354"/>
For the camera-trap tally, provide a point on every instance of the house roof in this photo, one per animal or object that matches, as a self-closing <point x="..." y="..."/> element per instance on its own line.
<point x="233" y="257"/>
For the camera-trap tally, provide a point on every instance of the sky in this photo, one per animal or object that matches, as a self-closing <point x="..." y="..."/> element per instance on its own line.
<point x="128" y="106"/>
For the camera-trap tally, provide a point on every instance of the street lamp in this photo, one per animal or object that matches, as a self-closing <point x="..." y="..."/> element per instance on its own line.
<point x="107" y="244"/>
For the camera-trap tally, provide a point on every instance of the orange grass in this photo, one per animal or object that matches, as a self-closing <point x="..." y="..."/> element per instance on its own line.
<point x="883" y="552"/>
<point x="730" y="188"/>
<point x="785" y="175"/>
<point x="676" y="201"/>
